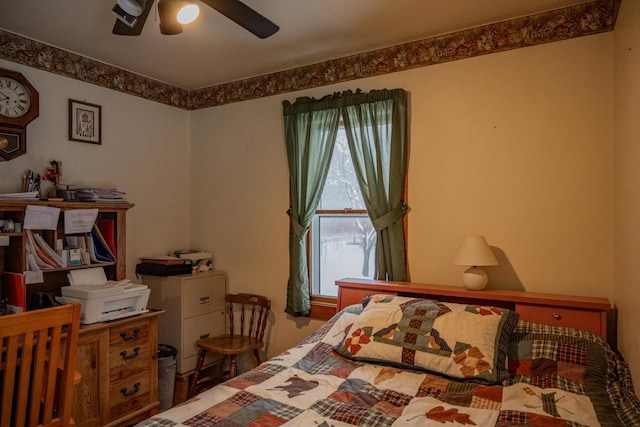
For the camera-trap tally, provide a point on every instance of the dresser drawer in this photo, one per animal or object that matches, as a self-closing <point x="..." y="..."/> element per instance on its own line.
<point x="129" y="370"/>
<point x="129" y="335"/>
<point x="129" y="354"/>
<point x="560" y="316"/>
<point x="130" y="394"/>
<point x="200" y="296"/>
<point x="129" y="349"/>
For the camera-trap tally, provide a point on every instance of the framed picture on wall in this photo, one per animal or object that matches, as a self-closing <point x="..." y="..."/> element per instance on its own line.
<point x="85" y="122"/>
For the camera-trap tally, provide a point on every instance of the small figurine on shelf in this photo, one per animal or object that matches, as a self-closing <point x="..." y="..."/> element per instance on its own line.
<point x="54" y="172"/>
<point x="54" y="175"/>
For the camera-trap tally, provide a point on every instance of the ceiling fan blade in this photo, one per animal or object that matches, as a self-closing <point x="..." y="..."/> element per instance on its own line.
<point x="122" y="29"/>
<point x="244" y="16"/>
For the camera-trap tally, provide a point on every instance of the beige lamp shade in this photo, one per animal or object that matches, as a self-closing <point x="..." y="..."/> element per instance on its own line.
<point x="475" y="251"/>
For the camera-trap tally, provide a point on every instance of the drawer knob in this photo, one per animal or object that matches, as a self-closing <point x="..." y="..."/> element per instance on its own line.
<point x="557" y="316"/>
<point x="130" y="337"/>
<point x="126" y="392"/>
<point x="126" y="356"/>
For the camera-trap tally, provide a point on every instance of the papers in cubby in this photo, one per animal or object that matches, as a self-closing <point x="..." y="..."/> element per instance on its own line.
<point x="41" y="217"/>
<point x="79" y="220"/>
<point x="40" y="255"/>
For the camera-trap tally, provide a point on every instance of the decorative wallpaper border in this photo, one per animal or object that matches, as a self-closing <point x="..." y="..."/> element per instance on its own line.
<point x="581" y="20"/>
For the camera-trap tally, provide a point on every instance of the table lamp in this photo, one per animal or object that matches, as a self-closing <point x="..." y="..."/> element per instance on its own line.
<point x="474" y="252"/>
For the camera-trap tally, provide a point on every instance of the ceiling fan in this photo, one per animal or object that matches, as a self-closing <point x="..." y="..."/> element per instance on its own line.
<point x="132" y="14"/>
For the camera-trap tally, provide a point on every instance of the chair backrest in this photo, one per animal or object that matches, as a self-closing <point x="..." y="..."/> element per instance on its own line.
<point x="257" y="306"/>
<point x="38" y="366"/>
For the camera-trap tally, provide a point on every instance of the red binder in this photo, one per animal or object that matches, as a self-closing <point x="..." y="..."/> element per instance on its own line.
<point x="107" y="228"/>
<point x="14" y="288"/>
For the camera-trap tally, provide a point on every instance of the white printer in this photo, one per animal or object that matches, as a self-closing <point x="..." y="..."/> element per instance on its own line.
<point x="104" y="299"/>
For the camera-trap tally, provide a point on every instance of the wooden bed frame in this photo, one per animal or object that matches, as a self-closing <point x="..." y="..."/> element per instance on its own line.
<point x="592" y="314"/>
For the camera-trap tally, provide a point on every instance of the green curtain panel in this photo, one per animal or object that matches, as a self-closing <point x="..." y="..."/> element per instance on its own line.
<point x="375" y="124"/>
<point x="310" y="128"/>
<point x="376" y="130"/>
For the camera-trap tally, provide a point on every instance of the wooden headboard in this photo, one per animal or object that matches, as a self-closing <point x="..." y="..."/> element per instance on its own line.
<point x="559" y="310"/>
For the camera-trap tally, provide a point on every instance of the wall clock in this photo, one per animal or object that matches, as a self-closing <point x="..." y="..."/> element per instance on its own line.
<point x="19" y="106"/>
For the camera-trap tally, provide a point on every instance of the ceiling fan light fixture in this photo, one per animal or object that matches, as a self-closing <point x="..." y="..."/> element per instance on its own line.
<point x="132" y="7"/>
<point x="188" y="12"/>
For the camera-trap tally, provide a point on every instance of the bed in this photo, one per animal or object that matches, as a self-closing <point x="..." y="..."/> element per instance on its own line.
<point x="406" y="358"/>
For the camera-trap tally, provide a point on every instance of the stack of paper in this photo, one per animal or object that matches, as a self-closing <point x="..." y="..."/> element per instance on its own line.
<point x="92" y="194"/>
<point x="29" y="195"/>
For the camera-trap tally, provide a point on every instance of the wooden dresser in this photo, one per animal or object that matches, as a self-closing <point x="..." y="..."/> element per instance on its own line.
<point x="118" y="363"/>
<point x="560" y="310"/>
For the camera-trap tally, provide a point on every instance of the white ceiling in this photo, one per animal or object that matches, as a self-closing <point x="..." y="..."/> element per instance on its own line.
<point x="215" y="50"/>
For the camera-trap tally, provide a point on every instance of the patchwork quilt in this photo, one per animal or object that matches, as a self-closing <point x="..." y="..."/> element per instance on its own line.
<point x="557" y="377"/>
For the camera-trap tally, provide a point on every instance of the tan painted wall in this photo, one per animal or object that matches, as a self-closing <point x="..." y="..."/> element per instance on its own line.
<point x="144" y="152"/>
<point x="626" y="278"/>
<point x="516" y="146"/>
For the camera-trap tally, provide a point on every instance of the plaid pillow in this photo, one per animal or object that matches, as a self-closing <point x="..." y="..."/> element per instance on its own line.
<point x="457" y="340"/>
<point x="576" y="361"/>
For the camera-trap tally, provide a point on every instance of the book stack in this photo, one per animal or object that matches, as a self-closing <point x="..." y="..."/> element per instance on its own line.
<point x="163" y="265"/>
<point x="92" y="194"/>
<point x="89" y="194"/>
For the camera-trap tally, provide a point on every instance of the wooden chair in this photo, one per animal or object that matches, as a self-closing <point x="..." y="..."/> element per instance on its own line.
<point x="38" y="366"/>
<point x="233" y="344"/>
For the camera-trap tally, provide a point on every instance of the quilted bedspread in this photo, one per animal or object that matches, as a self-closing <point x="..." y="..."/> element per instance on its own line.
<point x="559" y="377"/>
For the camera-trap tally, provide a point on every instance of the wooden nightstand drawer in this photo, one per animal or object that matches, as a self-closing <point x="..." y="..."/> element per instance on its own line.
<point x="561" y="316"/>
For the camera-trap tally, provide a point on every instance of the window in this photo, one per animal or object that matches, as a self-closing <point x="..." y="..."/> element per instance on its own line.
<point x="342" y="237"/>
<point x="375" y="123"/>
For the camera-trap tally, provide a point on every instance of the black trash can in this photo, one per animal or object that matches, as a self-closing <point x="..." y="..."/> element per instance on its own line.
<point x="166" y="375"/>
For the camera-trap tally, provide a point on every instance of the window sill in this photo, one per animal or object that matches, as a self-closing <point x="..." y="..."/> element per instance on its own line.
<point x="323" y="309"/>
